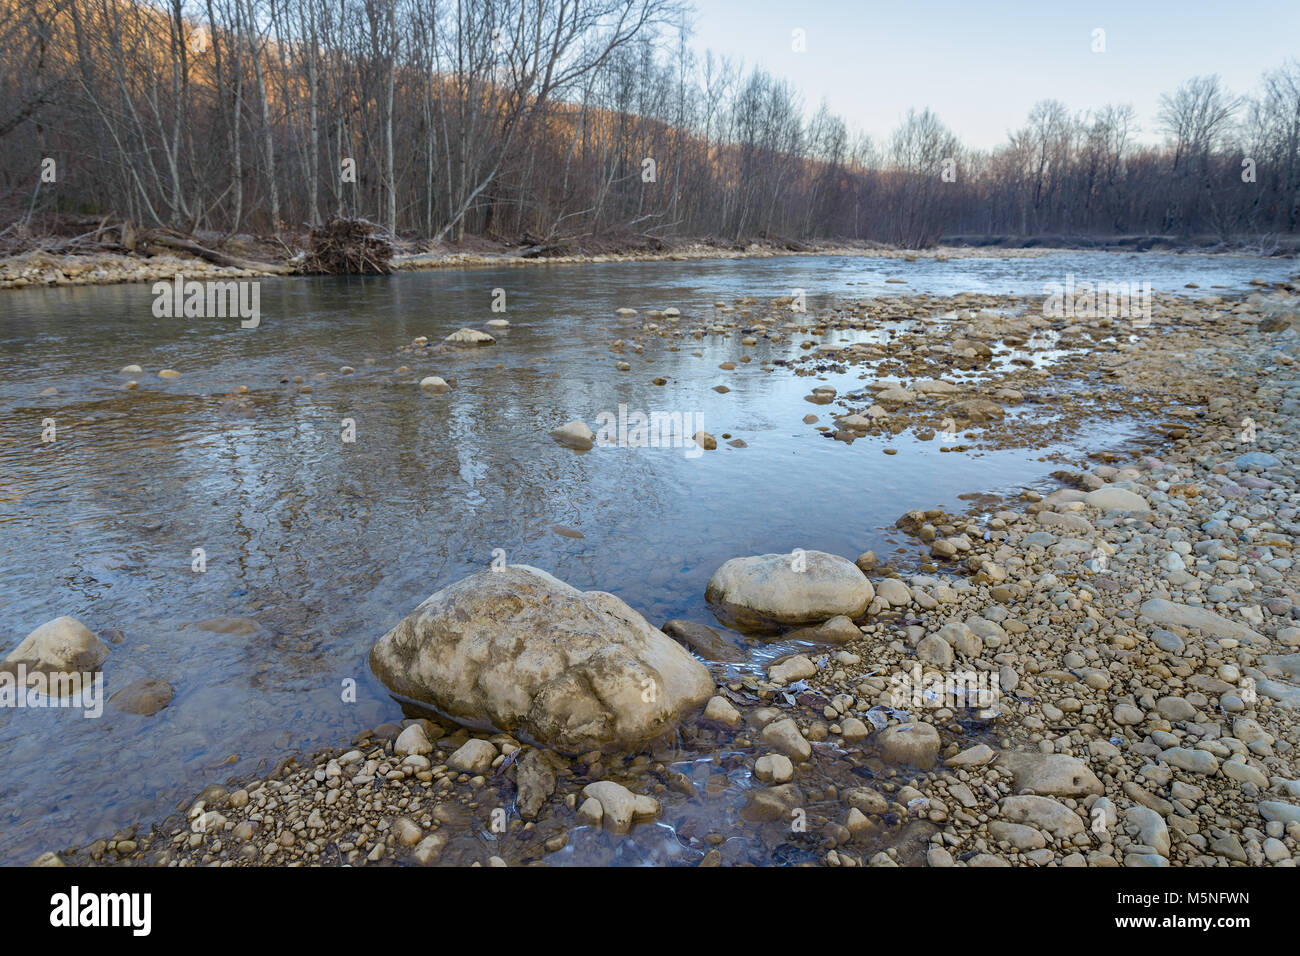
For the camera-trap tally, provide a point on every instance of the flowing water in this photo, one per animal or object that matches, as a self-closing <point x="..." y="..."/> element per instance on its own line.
<point x="315" y="547"/>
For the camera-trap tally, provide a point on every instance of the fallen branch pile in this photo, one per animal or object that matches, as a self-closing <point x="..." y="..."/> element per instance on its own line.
<point x="348" y="247"/>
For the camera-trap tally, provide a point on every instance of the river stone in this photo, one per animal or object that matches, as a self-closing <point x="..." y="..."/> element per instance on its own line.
<point x="703" y="640"/>
<point x="575" y="435"/>
<point x="1042" y="812"/>
<point x="838" y="630"/>
<point x="535" y="780"/>
<point x="1116" y="499"/>
<point x="433" y="383"/>
<point x="773" y="768"/>
<point x="469" y="337"/>
<point x="976" y="756"/>
<point x="914" y="744"/>
<point x="1194" y="761"/>
<point x="1148" y="827"/>
<point x="784" y="735"/>
<point x="1277" y="810"/>
<point x="145" y="696"/>
<point x="1050" y="775"/>
<point x="894" y="592"/>
<point x="765" y="593"/>
<point x="64" y="645"/>
<point x="1288" y="695"/>
<point x="1019" y="835"/>
<point x="935" y="650"/>
<point x="520" y="651"/>
<point x="792" y="669"/>
<point x="617" y="804"/>
<point x="720" y="711"/>
<point x="412" y="740"/>
<point x="1176" y="709"/>
<point x="976" y="410"/>
<point x="1254" y="459"/>
<point x="473" y="756"/>
<point x="1170" y="612"/>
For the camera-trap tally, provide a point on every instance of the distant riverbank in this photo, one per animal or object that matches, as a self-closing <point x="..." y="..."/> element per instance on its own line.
<point x="39" y="267"/>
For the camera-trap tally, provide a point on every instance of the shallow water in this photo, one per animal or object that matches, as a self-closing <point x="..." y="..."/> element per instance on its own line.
<point x="327" y="544"/>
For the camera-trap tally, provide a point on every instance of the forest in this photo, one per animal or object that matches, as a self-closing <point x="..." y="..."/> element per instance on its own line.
<point x="543" y="119"/>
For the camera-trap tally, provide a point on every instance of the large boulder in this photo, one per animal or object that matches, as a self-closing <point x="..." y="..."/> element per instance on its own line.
<point x="519" y="651"/>
<point x="771" y="592"/>
<point x="63" y="645"/>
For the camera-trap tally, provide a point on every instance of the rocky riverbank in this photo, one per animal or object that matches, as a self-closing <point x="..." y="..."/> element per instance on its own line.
<point x="1106" y="674"/>
<point x="37" y="268"/>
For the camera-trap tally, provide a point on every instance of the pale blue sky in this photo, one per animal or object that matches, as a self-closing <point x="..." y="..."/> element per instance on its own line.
<point x="982" y="65"/>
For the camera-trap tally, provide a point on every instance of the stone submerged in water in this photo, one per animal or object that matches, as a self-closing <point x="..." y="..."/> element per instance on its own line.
<point x="145" y="697"/>
<point x="703" y="640"/>
<point x="769" y="592"/>
<point x="522" y="652"/>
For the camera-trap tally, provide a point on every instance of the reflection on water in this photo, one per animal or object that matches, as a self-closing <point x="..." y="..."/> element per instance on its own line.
<point x="314" y="547"/>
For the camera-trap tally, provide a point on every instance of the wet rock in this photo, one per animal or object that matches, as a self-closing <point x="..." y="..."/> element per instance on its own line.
<point x="535" y="780"/>
<point x="769" y="591"/>
<point x="433" y="383"/>
<point x="719" y="711"/>
<point x="773" y="768"/>
<point x="838" y="630"/>
<point x="617" y="804"/>
<point x="145" y="696"/>
<point x="575" y="435"/>
<point x="785" y="736"/>
<point x="771" y="803"/>
<point x="853" y="730"/>
<point x="64" y="645"/>
<point x="976" y="410"/>
<point x="430" y="848"/>
<point x="523" y="651"/>
<point x="704" y="641"/>
<point x="469" y="337"/>
<point x="704" y="440"/>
